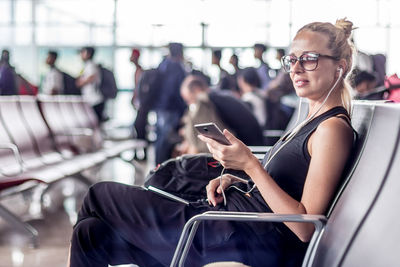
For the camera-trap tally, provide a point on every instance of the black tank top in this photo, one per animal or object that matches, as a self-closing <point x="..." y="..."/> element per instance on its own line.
<point x="290" y="165"/>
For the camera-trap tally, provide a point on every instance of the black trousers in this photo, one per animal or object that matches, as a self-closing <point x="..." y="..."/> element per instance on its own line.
<point x="99" y="111"/>
<point x="121" y="224"/>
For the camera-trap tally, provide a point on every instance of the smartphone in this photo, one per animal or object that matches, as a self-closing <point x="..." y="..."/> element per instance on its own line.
<point x="212" y="131"/>
<point x="167" y="195"/>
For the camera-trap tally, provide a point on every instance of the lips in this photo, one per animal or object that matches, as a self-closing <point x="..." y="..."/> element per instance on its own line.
<point x="301" y="82"/>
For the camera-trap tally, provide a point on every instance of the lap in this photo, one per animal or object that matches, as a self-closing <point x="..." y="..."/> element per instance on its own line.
<point x="153" y="223"/>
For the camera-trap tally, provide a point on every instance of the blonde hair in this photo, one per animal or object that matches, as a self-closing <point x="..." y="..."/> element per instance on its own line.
<point x="341" y="47"/>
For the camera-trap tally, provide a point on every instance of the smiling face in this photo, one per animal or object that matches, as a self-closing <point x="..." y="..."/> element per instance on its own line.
<point x="315" y="84"/>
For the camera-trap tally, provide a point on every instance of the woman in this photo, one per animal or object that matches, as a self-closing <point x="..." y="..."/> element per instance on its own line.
<point x="123" y="224"/>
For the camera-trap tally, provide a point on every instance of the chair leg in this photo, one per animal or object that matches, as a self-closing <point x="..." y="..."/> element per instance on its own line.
<point x="20" y="225"/>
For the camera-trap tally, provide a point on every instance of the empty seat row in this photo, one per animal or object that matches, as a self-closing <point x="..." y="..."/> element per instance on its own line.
<point x="48" y="139"/>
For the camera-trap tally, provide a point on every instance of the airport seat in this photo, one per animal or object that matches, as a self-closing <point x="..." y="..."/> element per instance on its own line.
<point x="35" y="151"/>
<point x="72" y="116"/>
<point x="338" y="238"/>
<point x="299" y="114"/>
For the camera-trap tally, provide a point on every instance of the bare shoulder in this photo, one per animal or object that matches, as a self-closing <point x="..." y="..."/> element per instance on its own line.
<point x="332" y="134"/>
<point x="335" y="126"/>
<point x="335" y="131"/>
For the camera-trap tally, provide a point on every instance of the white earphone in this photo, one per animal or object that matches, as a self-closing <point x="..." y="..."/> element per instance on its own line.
<point x="340" y="70"/>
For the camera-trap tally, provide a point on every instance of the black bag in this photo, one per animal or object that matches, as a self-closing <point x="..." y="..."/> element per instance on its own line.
<point x="187" y="176"/>
<point x="70" y="87"/>
<point x="108" y="86"/>
<point x="149" y="87"/>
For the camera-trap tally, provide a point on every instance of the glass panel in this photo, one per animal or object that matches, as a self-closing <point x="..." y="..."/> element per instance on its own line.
<point x="5" y="6"/>
<point x="393" y="53"/>
<point x="23" y="59"/>
<point x="78" y="11"/>
<point x="362" y="39"/>
<point x="236" y="35"/>
<point x="6" y="34"/>
<point x="23" y="11"/>
<point x="62" y="35"/>
<point x="102" y="36"/>
<point x="134" y="35"/>
<point x="23" y="35"/>
<point x="391" y="12"/>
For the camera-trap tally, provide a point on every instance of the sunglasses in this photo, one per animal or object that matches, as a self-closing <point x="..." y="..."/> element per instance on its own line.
<point x="308" y="61"/>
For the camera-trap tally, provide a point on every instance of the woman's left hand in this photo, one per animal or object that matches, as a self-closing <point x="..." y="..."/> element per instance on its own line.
<point x="235" y="156"/>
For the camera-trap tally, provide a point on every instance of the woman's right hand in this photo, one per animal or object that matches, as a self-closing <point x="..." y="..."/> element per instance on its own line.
<point x="215" y="188"/>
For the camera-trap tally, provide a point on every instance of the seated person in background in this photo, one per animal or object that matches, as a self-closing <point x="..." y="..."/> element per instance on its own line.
<point x="281" y="85"/>
<point x="237" y="115"/>
<point x="194" y="91"/>
<point x="121" y="224"/>
<point x="365" y="85"/>
<point x="249" y="84"/>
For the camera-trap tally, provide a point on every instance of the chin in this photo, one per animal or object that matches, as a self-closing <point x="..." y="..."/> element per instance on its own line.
<point x="301" y="92"/>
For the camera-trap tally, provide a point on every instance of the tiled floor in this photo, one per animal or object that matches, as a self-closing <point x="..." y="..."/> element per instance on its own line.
<point x="55" y="222"/>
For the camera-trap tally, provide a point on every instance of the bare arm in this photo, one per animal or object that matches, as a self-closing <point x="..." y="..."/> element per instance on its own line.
<point x="329" y="147"/>
<point x="80" y="82"/>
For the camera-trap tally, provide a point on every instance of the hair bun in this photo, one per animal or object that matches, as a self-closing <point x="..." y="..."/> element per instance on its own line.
<point x="345" y="25"/>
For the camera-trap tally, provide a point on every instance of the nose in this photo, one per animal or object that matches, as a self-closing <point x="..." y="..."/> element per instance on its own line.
<point x="297" y="68"/>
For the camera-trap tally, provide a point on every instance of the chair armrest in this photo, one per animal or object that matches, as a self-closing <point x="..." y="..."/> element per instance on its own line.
<point x="273" y="133"/>
<point x="259" y="149"/>
<point x="17" y="156"/>
<point x="80" y="132"/>
<point x="191" y="226"/>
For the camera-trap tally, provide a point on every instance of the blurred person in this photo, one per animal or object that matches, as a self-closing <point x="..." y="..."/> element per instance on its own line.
<point x="121" y="224"/>
<point x="89" y="81"/>
<point x="263" y="68"/>
<point x="169" y="104"/>
<point x="139" y="99"/>
<point x="134" y="58"/>
<point x="281" y="85"/>
<point x="249" y="84"/>
<point x="8" y="77"/>
<point x="224" y="79"/>
<point x="195" y="92"/>
<point x="234" y="61"/>
<point x="53" y="81"/>
<point x="365" y="86"/>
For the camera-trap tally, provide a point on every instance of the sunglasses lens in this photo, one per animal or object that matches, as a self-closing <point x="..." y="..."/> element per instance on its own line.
<point x="309" y="61"/>
<point x="286" y="62"/>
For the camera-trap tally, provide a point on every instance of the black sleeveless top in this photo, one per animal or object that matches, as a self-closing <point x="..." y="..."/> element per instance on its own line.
<point x="290" y="165"/>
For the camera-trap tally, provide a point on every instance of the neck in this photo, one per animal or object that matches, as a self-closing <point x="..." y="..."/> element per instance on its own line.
<point x="334" y="100"/>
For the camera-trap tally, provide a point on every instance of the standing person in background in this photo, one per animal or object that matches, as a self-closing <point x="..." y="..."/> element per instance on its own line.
<point x="135" y="55"/>
<point x="169" y="104"/>
<point x="263" y="68"/>
<point x="224" y="81"/>
<point x="89" y="81"/>
<point x="137" y="101"/>
<point x="234" y="61"/>
<point x="8" y="77"/>
<point x="53" y="81"/>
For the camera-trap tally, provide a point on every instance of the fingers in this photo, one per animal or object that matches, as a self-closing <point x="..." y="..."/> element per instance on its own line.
<point x="214" y="190"/>
<point x="209" y="141"/>
<point x="231" y="138"/>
